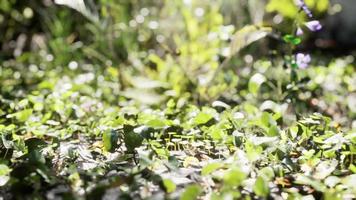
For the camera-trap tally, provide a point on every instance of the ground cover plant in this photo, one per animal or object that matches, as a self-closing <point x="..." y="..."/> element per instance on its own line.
<point x="119" y="99"/>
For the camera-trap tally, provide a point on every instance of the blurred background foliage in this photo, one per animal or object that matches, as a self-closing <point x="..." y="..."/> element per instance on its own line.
<point x="175" y="47"/>
<point x="288" y="9"/>
<point x="158" y="48"/>
<point x="151" y="51"/>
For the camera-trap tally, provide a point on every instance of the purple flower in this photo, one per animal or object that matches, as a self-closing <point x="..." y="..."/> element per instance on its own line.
<point x="302" y="60"/>
<point x="299" y="32"/>
<point x="314" y="25"/>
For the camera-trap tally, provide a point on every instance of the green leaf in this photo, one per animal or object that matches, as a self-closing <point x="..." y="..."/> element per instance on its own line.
<point x="202" y="118"/>
<point x="293" y="131"/>
<point x="273" y="131"/>
<point x="266" y="119"/>
<point x="156" y="123"/>
<point x="234" y="177"/>
<point x="4" y="174"/>
<point x="216" y="132"/>
<point x="352" y="168"/>
<point x="145" y="83"/>
<point x="23" y="115"/>
<point x="35" y="144"/>
<point x="81" y="7"/>
<point x="110" y="139"/>
<point x="267" y="173"/>
<point x="255" y="83"/>
<point x="292" y="39"/>
<point x="209" y="168"/>
<point x="246" y="36"/>
<point x="191" y="192"/>
<point x="253" y="151"/>
<point x="169" y="185"/>
<point x="261" y="187"/>
<point x="132" y="140"/>
<point x="144" y="96"/>
<point x="305" y="180"/>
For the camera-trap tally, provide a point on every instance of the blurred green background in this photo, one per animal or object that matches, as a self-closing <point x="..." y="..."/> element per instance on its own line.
<point x="160" y="48"/>
<point x="173" y="46"/>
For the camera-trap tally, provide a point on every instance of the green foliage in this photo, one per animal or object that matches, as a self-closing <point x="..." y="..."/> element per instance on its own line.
<point x="174" y="105"/>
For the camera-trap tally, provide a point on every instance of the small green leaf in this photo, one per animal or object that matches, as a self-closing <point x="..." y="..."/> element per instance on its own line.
<point x="292" y="39"/>
<point x="35" y="144"/>
<point x="273" y="131"/>
<point x="261" y="187"/>
<point x="23" y="115"/>
<point x="266" y="119"/>
<point x="156" y="123"/>
<point x="209" y="168"/>
<point x="132" y="140"/>
<point x="216" y="132"/>
<point x="202" y="118"/>
<point x="352" y="168"/>
<point x="4" y="174"/>
<point x="234" y="177"/>
<point x="191" y="192"/>
<point x="253" y="151"/>
<point x="305" y="180"/>
<point x="267" y="173"/>
<point x="110" y="138"/>
<point x="169" y="185"/>
<point x="293" y="131"/>
<point x="255" y="83"/>
<point x="246" y="36"/>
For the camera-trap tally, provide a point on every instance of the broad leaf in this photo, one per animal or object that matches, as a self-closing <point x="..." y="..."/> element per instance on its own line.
<point x="255" y="83"/>
<point x="246" y="36"/>
<point x="202" y="118"/>
<point x="261" y="187"/>
<point x="209" y="168"/>
<point x="169" y="185"/>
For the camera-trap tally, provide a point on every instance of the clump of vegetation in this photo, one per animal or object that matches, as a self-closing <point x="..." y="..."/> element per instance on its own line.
<point x="173" y="100"/>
